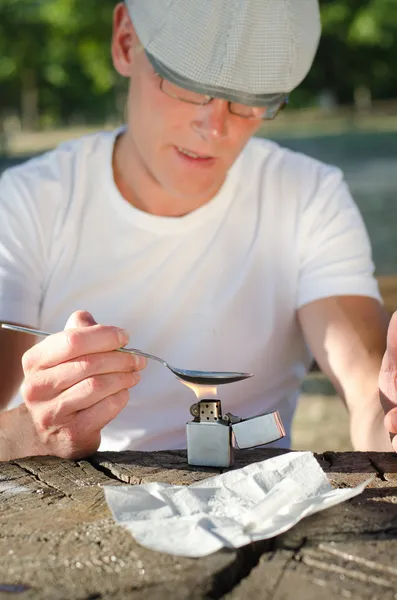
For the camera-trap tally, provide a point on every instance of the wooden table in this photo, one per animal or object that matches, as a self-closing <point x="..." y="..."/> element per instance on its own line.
<point x="58" y="540"/>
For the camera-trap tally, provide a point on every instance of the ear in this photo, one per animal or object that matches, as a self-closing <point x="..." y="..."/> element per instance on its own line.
<point x="124" y="40"/>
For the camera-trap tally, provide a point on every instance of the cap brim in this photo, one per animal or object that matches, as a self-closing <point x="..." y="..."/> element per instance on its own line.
<point x="248" y="99"/>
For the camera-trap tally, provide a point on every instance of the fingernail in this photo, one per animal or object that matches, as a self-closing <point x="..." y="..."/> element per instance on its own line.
<point x="124" y="336"/>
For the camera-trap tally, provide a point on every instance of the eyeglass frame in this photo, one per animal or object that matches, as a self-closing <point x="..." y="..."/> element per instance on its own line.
<point x="209" y="99"/>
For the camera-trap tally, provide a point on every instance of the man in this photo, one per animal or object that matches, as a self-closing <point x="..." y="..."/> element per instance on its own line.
<point x="182" y="236"/>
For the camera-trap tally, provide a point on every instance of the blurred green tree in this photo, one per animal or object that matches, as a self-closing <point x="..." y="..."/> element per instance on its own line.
<point x="358" y="50"/>
<point x="21" y="51"/>
<point x="55" y="55"/>
<point x="55" y="62"/>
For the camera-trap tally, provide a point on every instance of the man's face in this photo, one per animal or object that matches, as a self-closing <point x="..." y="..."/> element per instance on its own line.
<point x="185" y="148"/>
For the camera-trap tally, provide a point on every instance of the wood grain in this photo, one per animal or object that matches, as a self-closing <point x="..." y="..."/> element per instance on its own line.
<point x="58" y="540"/>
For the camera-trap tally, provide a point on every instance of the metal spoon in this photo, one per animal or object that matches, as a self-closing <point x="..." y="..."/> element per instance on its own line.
<point x="213" y="378"/>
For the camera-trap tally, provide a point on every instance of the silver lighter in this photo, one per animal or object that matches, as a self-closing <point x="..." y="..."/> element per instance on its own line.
<point x="210" y="435"/>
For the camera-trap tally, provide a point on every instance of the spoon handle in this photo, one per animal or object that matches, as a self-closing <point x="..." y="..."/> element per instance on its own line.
<point x="39" y="333"/>
<point x="144" y="354"/>
<point x="36" y="332"/>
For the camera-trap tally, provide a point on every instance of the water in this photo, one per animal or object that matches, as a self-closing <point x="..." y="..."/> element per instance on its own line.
<point x="369" y="161"/>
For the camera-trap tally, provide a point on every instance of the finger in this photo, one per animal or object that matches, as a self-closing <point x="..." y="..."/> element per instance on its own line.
<point x="389" y="363"/>
<point x="392" y="337"/>
<point x="45" y="384"/>
<point x="62" y="409"/>
<point x="80" y="318"/>
<point x="72" y="343"/>
<point x="391" y="421"/>
<point x="388" y="372"/>
<point x="93" y="419"/>
<point x="81" y="436"/>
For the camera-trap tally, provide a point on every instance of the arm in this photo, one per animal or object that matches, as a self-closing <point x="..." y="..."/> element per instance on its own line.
<point x="347" y="336"/>
<point x="17" y="434"/>
<point x="23" y="255"/>
<point x="12" y="347"/>
<point x="74" y="384"/>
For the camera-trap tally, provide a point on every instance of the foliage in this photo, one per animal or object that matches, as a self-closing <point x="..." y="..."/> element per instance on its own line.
<point x="62" y="48"/>
<point x="358" y="48"/>
<point x="65" y="43"/>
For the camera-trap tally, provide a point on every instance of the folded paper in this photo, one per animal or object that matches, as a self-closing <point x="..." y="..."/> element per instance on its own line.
<point x="245" y="505"/>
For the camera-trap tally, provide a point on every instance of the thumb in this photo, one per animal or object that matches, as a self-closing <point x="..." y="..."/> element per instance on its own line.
<point x="80" y="318"/>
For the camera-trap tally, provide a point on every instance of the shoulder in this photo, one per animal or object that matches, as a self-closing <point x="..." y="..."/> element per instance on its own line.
<point x="56" y="168"/>
<point x="44" y="191"/>
<point x="295" y="181"/>
<point x="285" y="165"/>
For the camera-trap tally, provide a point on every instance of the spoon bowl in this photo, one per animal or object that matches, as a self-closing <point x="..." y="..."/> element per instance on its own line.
<point x="213" y="378"/>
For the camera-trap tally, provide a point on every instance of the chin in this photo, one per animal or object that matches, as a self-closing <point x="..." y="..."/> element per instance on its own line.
<point x="192" y="189"/>
<point x="204" y="194"/>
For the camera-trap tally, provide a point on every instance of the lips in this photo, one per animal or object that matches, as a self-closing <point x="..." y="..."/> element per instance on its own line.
<point x="193" y="154"/>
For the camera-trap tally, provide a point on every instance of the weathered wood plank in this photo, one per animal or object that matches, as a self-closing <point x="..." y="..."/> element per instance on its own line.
<point x="352" y="570"/>
<point x="168" y="467"/>
<point x="79" y="480"/>
<point x="346" y="551"/>
<point x="357" y="570"/>
<point x="57" y="536"/>
<point x="20" y="490"/>
<point x="264" y="579"/>
<point x="386" y="465"/>
<point x="100" y="558"/>
<point x="347" y="462"/>
<point x="144" y="467"/>
<point x="372" y="513"/>
<point x="64" y="544"/>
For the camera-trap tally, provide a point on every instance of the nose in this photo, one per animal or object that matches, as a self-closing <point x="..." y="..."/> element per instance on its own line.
<point x="211" y="120"/>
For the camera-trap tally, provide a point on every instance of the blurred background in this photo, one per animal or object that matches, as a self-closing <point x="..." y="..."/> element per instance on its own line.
<point x="57" y="82"/>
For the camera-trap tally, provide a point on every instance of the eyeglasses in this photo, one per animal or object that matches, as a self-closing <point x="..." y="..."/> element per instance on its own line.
<point x="240" y="110"/>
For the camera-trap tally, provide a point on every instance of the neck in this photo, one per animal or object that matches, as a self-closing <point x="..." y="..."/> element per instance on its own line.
<point x="138" y="186"/>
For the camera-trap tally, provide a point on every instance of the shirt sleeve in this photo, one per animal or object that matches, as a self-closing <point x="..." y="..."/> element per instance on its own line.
<point x="335" y="250"/>
<point x="22" y="253"/>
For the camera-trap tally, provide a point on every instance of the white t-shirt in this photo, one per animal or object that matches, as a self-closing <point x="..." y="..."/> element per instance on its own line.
<point x="216" y="289"/>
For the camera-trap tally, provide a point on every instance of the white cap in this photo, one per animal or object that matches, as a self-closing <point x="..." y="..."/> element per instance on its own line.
<point x="248" y="51"/>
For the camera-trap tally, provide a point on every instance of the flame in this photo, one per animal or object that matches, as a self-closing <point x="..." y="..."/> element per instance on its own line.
<point x="202" y="391"/>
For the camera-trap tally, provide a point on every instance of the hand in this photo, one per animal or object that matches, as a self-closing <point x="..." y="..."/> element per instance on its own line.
<point x="388" y="381"/>
<point x="75" y="383"/>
